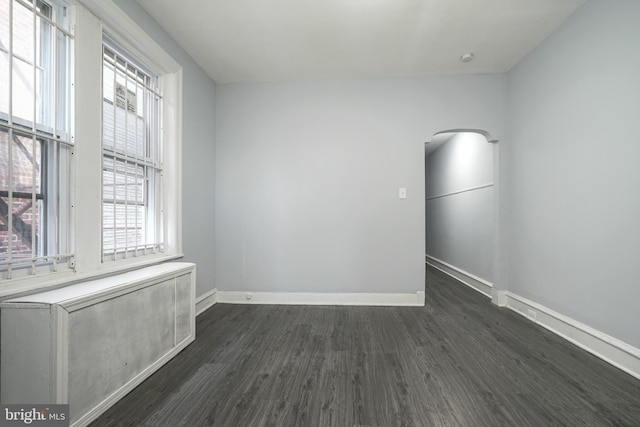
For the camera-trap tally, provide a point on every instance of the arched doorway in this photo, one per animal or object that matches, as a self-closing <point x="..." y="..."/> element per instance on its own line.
<point x="460" y="199"/>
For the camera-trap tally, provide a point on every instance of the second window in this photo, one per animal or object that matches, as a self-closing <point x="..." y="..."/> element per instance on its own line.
<point x="132" y="217"/>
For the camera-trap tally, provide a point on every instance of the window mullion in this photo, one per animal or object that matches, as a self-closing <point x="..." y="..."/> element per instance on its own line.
<point x="126" y="162"/>
<point x="34" y="56"/>
<point x="35" y="119"/>
<point x="54" y="83"/>
<point x="135" y="151"/>
<point x="157" y="223"/>
<point x="52" y="157"/>
<point x="146" y="145"/>
<point x="51" y="154"/>
<point x="10" y="204"/>
<point x="34" y="204"/>
<point x="10" y="150"/>
<point x="115" y="165"/>
<point x="160" y="165"/>
<point x="10" y="118"/>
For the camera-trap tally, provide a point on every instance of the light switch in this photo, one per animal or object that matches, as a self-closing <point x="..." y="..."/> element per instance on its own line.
<point x="402" y="192"/>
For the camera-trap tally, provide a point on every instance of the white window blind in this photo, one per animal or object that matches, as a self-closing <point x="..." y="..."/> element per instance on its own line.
<point x="132" y="217"/>
<point x="36" y="138"/>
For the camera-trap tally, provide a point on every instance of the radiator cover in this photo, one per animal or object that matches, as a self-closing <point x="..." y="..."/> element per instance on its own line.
<point x="91" y="343"/>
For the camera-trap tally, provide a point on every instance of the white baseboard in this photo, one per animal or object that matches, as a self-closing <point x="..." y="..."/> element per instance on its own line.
<point x="310" y="298"/>
<point x="205" y="301"/>
<point x="474" y="282"/>
<point x="606" y="347"/>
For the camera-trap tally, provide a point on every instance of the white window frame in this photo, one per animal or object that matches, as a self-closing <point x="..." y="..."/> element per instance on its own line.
<point x="93" y="18"/>
<point x="55" y="248"/>
<point x="146" y="161"/>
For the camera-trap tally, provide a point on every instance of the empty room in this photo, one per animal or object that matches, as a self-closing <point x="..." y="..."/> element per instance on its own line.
<point x="304" y="213"/>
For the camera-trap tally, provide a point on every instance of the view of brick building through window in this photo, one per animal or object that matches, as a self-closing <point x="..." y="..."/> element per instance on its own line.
<point x="26" y="188"/>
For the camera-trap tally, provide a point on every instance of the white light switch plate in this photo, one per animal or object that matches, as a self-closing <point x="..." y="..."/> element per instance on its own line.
<point x="402" y="192"/>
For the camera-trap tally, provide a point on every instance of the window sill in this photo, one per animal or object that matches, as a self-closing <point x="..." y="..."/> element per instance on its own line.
<point x="30" y="284"/>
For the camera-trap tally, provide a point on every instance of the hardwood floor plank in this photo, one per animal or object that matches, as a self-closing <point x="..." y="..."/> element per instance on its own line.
<point x="458" y="361"/>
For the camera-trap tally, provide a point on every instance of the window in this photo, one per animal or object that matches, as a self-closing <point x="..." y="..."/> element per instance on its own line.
<point x="36" y="137"/>
<point x="132" y="174"/>
<point x="110" y="169"/>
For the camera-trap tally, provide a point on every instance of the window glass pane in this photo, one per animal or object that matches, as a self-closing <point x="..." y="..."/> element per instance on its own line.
<point x="127" y="114"/>
<point x="4" y="159"/>
<point x="108" y="179"/>
<point x="126" y="180"/>
<point x="25" y="227"/>
<point x="23" y="76"/>
<point x="23" y="34"/>
<point x="27" y="160"/>
<point x="61" y="86"/>
<point x="45" y="106"/>
<point x="22" y="92"/>
<point x="25" y="182"/>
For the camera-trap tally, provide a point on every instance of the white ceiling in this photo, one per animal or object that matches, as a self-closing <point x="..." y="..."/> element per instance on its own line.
<point x="281" y="40"/>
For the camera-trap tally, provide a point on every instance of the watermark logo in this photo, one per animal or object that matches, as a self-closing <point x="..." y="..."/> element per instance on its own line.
<point x="34" y="415"/>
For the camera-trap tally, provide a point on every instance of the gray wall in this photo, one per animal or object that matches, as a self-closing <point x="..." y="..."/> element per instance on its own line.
<point x="307" y="178"/>
<point x="460" y="226"/>
<point x="575" y="171"/>
<point x="198" y="151"/>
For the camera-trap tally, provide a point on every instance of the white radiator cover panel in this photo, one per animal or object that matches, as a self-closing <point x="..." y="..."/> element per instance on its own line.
<point x="89" y="344"/>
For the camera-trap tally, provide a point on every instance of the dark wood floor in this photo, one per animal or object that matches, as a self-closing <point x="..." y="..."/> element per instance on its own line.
<point x="459" y="361"/>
